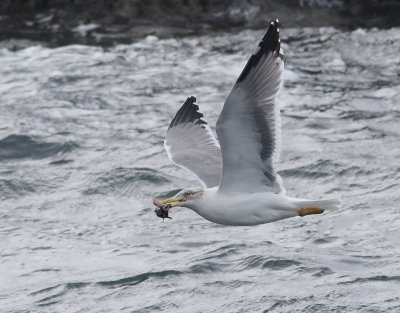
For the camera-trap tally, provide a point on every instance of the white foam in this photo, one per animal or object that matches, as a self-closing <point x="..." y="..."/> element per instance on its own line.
<point x="83" y="29"/>
<point x="385" y="92"/>
<point x="151" y="39"/>
<point x="289" y="75"/>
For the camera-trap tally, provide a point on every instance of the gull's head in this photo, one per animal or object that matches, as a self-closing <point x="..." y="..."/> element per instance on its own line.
<point x="186" y="197"/>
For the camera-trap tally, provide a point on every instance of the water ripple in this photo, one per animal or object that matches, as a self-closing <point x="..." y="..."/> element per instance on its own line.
<point x="383" y="278"/>
<point x="22" y="146"/>
<point x="137" y="279"/>
<point x="124" y="181"/>
<point x="258" y="261"/>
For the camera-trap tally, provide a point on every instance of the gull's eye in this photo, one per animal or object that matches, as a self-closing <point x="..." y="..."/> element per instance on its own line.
<point x="187" y="194"/>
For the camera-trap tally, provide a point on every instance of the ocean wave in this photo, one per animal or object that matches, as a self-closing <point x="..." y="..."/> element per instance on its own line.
<point x="262" y="262"/>
<point x="383" y="278"/>
<point x="23" y="146"/>
<point x="124" y="181"/>
<point x="137" y="279"/>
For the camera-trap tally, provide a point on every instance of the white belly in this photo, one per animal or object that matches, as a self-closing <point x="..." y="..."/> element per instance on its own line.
<point x="244" y="209"/>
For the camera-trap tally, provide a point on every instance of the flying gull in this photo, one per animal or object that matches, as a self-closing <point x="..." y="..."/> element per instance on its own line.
<point x="241" y="185"/>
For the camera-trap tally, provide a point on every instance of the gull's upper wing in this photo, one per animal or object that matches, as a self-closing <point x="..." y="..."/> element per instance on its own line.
<point x="248" y="127"/>
<point x="191" y="144"/>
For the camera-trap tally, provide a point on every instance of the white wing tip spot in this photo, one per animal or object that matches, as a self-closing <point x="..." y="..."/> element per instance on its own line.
<point x="276" y="21"/>
<point x="256" y="50"/>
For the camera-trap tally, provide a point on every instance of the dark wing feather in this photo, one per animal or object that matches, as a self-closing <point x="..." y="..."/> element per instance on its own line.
<point x="248" y="127"/>
<point x="191" y="144"/>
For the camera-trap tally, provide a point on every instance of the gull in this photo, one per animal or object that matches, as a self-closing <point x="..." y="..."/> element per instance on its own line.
<point x="241" y="186"/>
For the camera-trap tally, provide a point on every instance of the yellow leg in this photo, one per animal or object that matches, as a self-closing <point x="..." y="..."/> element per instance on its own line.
<point x="309" y="211"/>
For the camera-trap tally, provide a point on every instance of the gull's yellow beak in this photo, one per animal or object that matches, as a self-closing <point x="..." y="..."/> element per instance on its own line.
<point x="173" y="202"/>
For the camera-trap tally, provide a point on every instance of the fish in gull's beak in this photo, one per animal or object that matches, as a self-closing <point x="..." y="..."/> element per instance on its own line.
<point x="164" y="206"/>
<point x="185" y="196"/>
<point x="162" y="209"/>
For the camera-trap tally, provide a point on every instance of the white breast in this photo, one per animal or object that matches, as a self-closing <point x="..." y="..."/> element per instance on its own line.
<point x="243" y="209"/>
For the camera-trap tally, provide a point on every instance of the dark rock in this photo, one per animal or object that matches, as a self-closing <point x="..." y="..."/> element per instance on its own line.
<point x="106" y="22"/>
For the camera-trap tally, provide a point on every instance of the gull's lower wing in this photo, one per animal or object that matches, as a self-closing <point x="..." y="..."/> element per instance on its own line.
<point x="191" y="144"/>
<point x="248" y="127"/>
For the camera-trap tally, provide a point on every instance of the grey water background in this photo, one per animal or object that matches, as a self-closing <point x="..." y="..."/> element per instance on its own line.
<point x="81" y="157"/>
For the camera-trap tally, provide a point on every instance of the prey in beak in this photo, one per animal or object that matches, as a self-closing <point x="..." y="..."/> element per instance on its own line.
<point x="162" y="213"/>
<point x="162" y="210"/>
<point x="164" y="206"/>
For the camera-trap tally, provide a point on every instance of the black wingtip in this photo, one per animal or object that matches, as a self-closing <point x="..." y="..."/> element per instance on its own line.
<point x="188" y="113"/>
<point x="270" y="42"/>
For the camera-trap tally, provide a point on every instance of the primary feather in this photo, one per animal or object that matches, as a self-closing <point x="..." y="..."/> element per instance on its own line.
<point x="191" y="144"/>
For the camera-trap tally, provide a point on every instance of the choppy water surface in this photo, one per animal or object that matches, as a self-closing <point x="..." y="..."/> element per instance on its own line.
<point x="81" y="157"/>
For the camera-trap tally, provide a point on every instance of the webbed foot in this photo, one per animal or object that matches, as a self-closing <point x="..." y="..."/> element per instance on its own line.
<point x="308" y="211"/>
